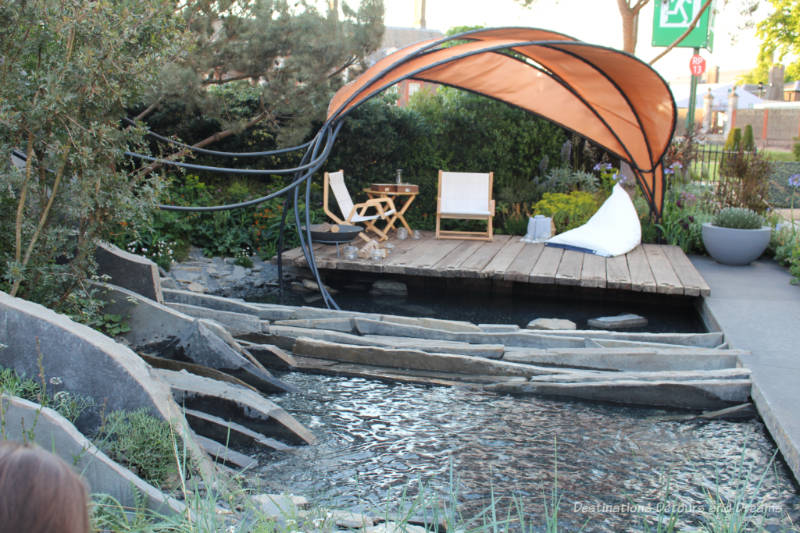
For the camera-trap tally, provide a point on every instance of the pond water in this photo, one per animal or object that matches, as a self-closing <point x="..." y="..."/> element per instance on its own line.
<point x="377" y="439"/>
<point x="478" y="302"/>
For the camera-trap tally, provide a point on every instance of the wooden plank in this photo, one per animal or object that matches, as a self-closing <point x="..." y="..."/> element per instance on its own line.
<point x="593" y="273"/>
<point x="520" y="268"/>
<point x="450" y="263"/>
<point x="693" y="282"/>
<point x="667" y="281"/>
<point x="474" y="264"/>
<point x="428" y="254"/>
<point x="401" y="254"/>
<point x="641" y="277"/>
<point x="544" y="271"/>
<point x="498" y="266"/>
<point x="569" y="269"/>
<point x="617" y="274"/>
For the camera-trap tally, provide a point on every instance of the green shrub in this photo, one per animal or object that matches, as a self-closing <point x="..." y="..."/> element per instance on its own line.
<point x="564" y="179"/>
<point x="67" y="404"/>
<point x="515" y="224"/>
<point x="142" y="442"/>
<point x="738" y="218"/>
<point x="748" y="142"/>
<point x="734" y="140"/>
<point x="567" y="210"/>
<point x="796" y="149"/>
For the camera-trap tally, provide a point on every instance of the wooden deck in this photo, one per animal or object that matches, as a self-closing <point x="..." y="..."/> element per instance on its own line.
<point x="653" y="268"/>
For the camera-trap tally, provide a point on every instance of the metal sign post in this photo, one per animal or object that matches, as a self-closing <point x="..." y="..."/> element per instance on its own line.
<point x="697" y="65"/>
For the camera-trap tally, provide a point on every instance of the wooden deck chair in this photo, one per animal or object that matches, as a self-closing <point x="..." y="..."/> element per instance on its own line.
<point x="465" y="195"/>
<point x="357" y="213"/>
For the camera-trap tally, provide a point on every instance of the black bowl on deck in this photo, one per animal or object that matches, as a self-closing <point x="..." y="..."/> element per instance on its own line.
<point x="322" y="233"/>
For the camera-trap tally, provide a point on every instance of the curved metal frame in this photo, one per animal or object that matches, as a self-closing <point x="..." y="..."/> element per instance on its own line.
<point x="318" y="149"/>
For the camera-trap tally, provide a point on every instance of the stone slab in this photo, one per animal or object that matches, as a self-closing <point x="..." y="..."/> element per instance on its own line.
<point x="413" y="359"/>
<point x="623" y="321"/>
<point x="628" y="359"/>
<point x="219" y="303"/>
<point x="552" y="324"/>
<point x="710" y="394"/>
<point x="56" y="434"/>
<point x="237" y="324"/>
<point x="250" y="408"/>
<point x="230" y="433"/>
<point x="134" y="272"/>
<point x="224" y="454"/>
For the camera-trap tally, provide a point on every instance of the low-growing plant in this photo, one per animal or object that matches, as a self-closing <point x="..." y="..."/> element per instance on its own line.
<point x="567" y="210"/>
<point x="142" y="442"/>
<point x="68" y="404"/>
<point x="738" y="218"/>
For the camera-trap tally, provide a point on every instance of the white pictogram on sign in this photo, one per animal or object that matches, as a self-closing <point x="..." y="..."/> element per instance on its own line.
<point x="679" y="13"/>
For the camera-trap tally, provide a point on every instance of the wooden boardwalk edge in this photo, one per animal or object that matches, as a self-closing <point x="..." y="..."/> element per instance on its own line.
<point x="648" y="268"/>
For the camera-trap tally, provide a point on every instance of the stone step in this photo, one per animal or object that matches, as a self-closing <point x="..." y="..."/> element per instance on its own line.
<point x="241" y="404"/>
<point x="637" y="358"/>
<point x="237" y="324"/>
<point x="524" y="339"/>
<point x="165" y="332"/>
<point x="270" y="356"/>
<point x="686" y="375"/>
<point x="230" y="432"/>
<point x="414" y="359"/>
<point x="699" y="394"/>
<point x="701" y="340"/>
<point x="225" y="455"/>
<point x="218" y="303"/>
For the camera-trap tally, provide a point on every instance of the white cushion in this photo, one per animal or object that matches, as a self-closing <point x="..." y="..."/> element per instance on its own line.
<point x="613" y="230"/>
<point x="465" y="193"/>
<point x="359" y="218"/>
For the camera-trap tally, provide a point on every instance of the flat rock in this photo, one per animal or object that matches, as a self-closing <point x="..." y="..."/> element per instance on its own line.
<point x="650" y="359"/>
<point x="170" y="333"/>
<point x="701" y="394"/>
<point x="134" y="272"/>
<point x="413" y="359"/>
<point x="498" y="328"/>
<point x="224" y="454"/>
<point x="624" y="321"/>
<point x="231" y="401"/>
<point x="237" y="324"/>
<point x="215" y="302"/>
<point x="389" y="288"/>
<point x="231" y="433"/>
<point x="552" y="324"/>
<point x="55" y="433"/>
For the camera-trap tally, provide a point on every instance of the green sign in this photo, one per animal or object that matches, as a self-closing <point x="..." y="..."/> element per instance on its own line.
<point x="671" y="18"/>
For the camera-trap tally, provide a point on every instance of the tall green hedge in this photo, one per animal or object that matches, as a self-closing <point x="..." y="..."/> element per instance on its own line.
<point x="450" y="130"/>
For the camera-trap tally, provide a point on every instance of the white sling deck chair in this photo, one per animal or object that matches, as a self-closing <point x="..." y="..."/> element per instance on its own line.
<point x="465" y="195"/>
<point x="356" y="213"/>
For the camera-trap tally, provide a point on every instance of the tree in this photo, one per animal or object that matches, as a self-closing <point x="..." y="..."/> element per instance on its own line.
<point x="295" y="56"/>
<point x="629" y="13"/>
<point x="630" y="10"/>
<point x="69" y="70"/>
<point x="780" y="36"/>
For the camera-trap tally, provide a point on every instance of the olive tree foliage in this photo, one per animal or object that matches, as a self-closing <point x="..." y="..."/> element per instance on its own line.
<point x="780" y="38"/>
<point x="68" y="71"/>
<point x="294" y="55"/>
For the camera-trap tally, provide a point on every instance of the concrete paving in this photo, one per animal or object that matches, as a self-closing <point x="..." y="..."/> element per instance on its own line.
<point x="759" y="310"/>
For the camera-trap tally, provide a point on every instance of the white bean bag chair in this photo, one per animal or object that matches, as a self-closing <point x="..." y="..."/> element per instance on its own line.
<point x="613" y="230"/>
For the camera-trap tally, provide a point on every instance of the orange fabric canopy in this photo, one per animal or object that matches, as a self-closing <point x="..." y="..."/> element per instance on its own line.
<point x="608" y="96"/>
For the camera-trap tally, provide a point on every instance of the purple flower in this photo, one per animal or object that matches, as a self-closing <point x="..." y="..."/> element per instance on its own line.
<point x="794" y="181"/>
<point x="602" y="166"/>
<point x="669" y="171"/>
<point x="676" y="164"/>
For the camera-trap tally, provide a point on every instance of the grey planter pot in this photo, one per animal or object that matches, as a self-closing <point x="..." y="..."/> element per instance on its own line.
<point x="731" y="246"/>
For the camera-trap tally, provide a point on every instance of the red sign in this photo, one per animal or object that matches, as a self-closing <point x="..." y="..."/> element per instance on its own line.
<point x="697" y="65"/>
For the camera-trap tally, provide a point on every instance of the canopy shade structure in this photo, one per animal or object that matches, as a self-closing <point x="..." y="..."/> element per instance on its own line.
<point x="608" y="96"/>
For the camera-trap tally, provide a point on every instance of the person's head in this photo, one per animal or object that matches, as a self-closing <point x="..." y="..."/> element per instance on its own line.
<point x="39" y="492"/>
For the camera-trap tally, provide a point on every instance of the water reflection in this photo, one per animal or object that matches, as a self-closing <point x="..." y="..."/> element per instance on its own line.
<point x="376" y="439"/>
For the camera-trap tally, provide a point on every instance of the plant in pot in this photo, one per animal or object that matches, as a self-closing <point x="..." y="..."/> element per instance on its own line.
<point x="736" y="236"/>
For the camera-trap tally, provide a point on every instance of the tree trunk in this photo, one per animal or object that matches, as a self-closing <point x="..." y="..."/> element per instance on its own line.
<point x="628" y="26"/>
